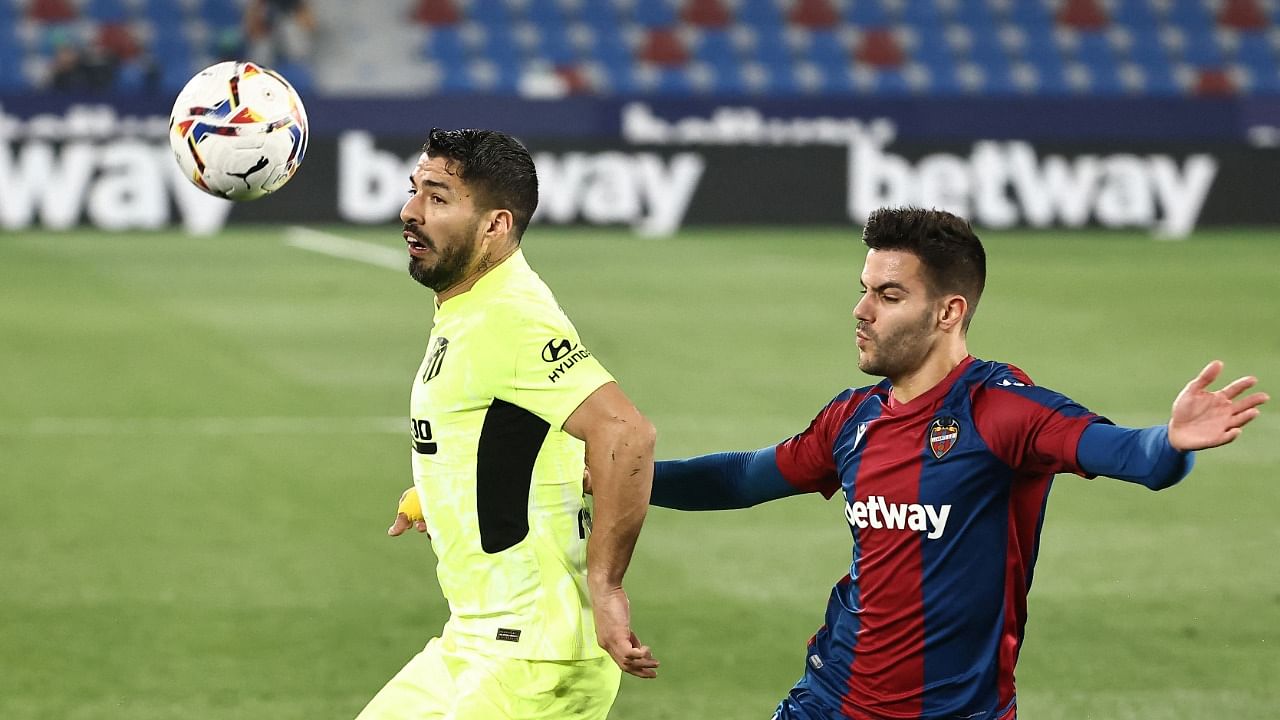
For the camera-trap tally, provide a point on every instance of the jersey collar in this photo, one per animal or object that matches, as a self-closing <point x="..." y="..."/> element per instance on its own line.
<point x="489" y="283"/>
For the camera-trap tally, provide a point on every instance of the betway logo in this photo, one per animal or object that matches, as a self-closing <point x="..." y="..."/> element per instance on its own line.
<point x="878" y="514"/>
<point x="643" y="190"/>
<point x="125" y="184"/>
<point x="1003" y="184"/>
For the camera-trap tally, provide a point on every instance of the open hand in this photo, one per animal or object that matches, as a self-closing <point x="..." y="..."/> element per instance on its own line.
<point x="1203" y="419"/>
<point x="613" y="630"/>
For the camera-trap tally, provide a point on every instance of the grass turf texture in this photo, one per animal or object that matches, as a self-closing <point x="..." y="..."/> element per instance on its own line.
<point x="200" y="448"/>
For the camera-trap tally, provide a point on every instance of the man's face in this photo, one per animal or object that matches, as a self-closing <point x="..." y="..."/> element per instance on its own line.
<point x="897" y="320"/>
<point x="441" y="225"/>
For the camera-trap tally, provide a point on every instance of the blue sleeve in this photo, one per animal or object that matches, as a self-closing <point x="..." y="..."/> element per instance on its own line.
<point x="1142" y="456"/>
<point x="722" y="481"/>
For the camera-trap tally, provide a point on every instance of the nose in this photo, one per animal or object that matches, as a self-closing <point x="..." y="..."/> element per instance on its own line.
<point x="410" y="212"/>
<point x="862" y="310"/>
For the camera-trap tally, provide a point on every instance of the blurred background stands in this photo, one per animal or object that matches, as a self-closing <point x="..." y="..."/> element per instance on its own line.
<point x="553" y="48"/>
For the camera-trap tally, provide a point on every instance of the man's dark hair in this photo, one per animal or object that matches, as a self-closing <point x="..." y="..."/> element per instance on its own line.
<point x="493" y="164"/>
<point x="952" y="255"/>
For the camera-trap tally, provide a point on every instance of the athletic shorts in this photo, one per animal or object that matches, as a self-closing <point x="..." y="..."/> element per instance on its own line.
<point x="445" y="682"/>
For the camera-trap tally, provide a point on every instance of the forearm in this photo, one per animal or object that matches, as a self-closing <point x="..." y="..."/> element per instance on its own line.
<point x="721" y="481"/>
<point x="621" y="466"/>
<point x="1138" y="455"/>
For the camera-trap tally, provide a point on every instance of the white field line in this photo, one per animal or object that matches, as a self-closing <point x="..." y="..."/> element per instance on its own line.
<point x="279" y="425"/>
<point x="346" y="248"/>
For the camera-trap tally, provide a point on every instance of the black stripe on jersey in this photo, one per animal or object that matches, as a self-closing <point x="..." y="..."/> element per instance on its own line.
<point x="509" y="443"/>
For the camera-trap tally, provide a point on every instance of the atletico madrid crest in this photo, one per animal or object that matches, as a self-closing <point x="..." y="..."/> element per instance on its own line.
<point x="943" y="433"/>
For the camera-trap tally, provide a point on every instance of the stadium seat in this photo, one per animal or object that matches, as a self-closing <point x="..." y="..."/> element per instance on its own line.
<point x="880" y="48"/>
<point x="662" y="47"/>
<point x="759" y="13"/>
<point x="706" y="14"/>
<point x="118" y="40"/>
<point x="867" y="13"/>
<point x="1083" y="15"/>
<point x="1243" y="15"/>
<point x="446" y="44"/>
<point x="436" y="12"/>
<point x="813" y="14"/>
<point x="111" y="11"/>
<point x="489" y="12"/>
<point x="52" y="11"/>
<point x="654" y="14"/>
<point x="1214" y="82"/>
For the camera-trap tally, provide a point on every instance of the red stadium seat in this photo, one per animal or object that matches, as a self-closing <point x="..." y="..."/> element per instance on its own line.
<point x="1242" y="15"/>
<point x="1083" y="15"/>
<point x="663" y="47"/>
<point x="51" y="10"/>
<point x="706" y="13"/>
<point x="575" y="81"/>
<point x="880" y="48"/>
<point x="1214" y="82"/>
<point x="814" y="14"/>
<point x="118" y="41"/>
<point x="437" y="12"/>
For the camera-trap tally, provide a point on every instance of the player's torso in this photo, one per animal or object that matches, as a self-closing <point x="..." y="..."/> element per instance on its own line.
<point x="927" y="507"/>
<point x="502" y="495"/>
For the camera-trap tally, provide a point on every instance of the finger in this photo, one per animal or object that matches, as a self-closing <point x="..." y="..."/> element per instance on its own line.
<point x="420" y="525"/>
<point x="399" y="526"/>
<point x="1252" y="401"/>
<point x="1206" y="376"/>
<point x="641" y="672"/>
<point x="1241" y="419"/>
<point x="1238" y="386"/>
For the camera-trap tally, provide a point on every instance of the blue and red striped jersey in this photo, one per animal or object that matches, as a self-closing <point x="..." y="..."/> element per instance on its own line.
<point x="944" y="496"/>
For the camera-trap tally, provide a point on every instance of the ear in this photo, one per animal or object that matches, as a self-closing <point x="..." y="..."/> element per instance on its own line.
<point x="951" y="312"/>
<point x="498" y="225"/>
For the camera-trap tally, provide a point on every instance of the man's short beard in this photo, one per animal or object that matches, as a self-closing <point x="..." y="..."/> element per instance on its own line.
<point x="901" y="351"/>
<point x="450" y="269"/>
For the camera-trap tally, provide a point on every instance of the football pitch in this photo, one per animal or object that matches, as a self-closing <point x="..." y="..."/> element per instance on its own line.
<point x="202" y="442"/>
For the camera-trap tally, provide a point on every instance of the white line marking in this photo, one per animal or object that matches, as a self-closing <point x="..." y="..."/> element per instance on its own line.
<point x="280" y="425"/>
<point x="346" y="248"/>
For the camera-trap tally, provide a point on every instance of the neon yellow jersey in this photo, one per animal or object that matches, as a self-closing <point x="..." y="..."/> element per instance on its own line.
<point x="499" y="479"/>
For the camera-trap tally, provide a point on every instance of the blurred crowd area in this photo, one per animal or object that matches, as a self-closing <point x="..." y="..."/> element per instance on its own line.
<point x="554" y="48"/>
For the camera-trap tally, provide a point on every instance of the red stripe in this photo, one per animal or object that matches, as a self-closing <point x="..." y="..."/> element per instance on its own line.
<point x="1026" y="500"/>
<point x="887" y="674"/>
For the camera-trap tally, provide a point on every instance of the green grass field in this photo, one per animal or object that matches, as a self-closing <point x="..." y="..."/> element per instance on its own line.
<point x="201" y="444"/>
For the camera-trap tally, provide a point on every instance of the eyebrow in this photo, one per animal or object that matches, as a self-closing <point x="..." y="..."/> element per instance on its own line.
<point x="430" y="183"/>
<point x="891" y="285"/>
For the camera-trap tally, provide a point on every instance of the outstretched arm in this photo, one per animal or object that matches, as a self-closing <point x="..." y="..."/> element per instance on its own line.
<point x="721" y="481"/>
<point x="1158" y="457"/>
<point x="1142" y="456"/>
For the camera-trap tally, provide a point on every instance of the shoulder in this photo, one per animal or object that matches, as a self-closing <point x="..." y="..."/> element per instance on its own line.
<point x="847" y="402"/>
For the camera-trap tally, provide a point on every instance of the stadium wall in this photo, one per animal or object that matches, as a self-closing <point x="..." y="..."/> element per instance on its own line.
<point x="1166" y="166"/>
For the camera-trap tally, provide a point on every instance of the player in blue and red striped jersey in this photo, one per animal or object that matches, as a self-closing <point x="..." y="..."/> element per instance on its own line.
<point x="945" y="469"/>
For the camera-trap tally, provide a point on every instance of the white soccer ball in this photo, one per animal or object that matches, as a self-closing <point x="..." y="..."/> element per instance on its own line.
<point x="238" y="130"/>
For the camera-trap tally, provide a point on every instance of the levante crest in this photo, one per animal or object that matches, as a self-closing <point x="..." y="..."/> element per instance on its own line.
<point x="943" y="433"/>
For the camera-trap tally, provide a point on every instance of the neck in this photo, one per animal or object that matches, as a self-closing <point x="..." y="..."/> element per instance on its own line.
<point x="482" y="268"/>
<point x="940" y="361"/>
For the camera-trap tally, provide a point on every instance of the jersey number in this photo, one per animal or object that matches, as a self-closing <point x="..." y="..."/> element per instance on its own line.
<point x="422" y="443"/>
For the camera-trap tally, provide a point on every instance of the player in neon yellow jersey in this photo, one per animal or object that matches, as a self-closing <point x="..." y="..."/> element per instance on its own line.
<point x="501" y="407"/>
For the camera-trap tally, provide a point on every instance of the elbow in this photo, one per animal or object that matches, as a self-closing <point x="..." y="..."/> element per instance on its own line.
<point x="646" y="435"/>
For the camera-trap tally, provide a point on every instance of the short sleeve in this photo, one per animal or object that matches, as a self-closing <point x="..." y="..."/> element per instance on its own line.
<point x="807" y="460"/>
<point x="553" y="372"/>
<point x="1032" y="429"/>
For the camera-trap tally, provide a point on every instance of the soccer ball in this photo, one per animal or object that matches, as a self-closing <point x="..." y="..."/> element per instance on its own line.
<point x="238" y="130"/>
